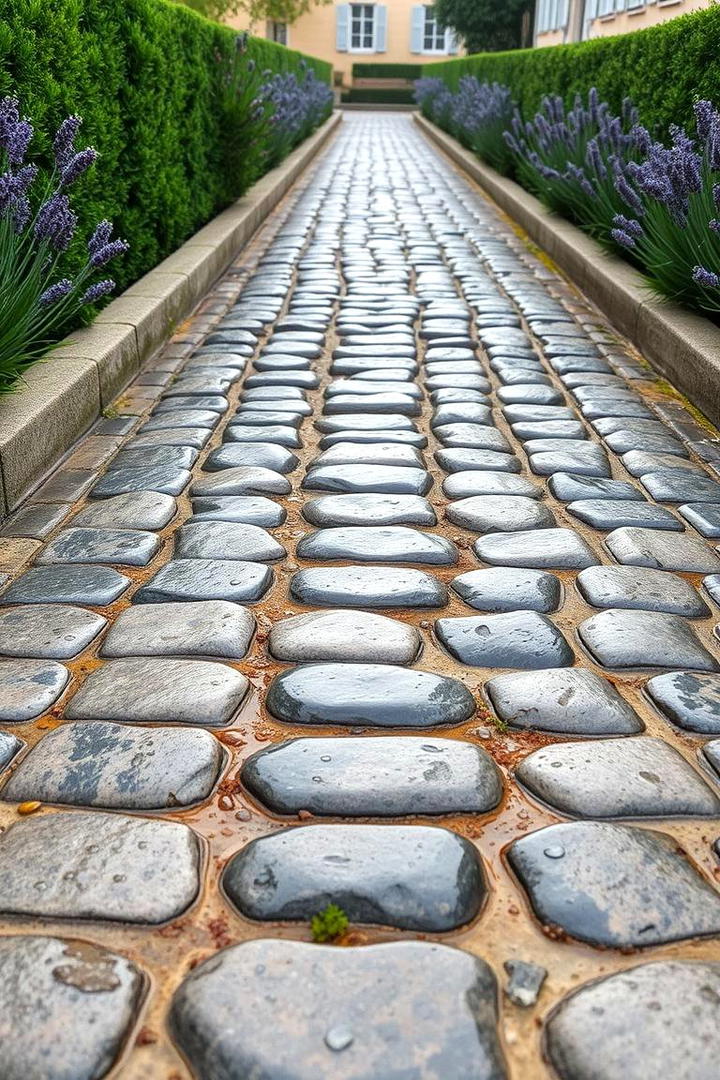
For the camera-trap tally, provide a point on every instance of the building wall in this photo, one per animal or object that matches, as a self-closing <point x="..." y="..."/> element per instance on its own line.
<point x="316" y="33"/>
<point x="559" y="21"/>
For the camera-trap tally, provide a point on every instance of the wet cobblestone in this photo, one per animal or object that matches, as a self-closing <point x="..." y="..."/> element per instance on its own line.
<point x="396" y="534"/>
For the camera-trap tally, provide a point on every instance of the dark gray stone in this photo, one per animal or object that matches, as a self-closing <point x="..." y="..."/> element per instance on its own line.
<point x="377" y="695"/>
<point x="470" y="436"/>
<point x="463" y="485"/>
<point x="29" y="687"/>
<point x="370" y="454"/>
<point x="644" y="639"/>
<point x="509" y="589"/>
<point x="468" y="412"/>
<point x="516" y="639"/>
<point x="655" y="1019"/>
<point x="689" y="699"/>
<point x="392" y="543"/>
<point x="499" y="513"/>
<point x="548" y="429"/>
<point x="171" y="436"/>
<point x="621" y="513"/>
<point x="568" y="701"/>
<point x="403" y="437"/>
<point x="560" y="549"/>
<point x="137" y="510"/>
<point x="10" y="745"/>
<point x="118" y="767"/>
<point x="137" y="457"/>
<point x="640" y="462"/>
<point x="182" y="418"/>
<point x="614" y="885"/>
<point x="355" y="636"/>
<point x="243" y="480"/>
<point x="705" y="517"/>
<point x="251" y="455"/>
<point x="93" y="865"/>
<point x="124" y="547"/>
<point x="35" y="521"/>
<point x="357" y="778"/>
<point x="168" y="480"/>
<point x="590" y="461"/>
<point x="226" y="540"/>
<point x="207" y="579"/>
<point x="660" y="551"/>
<point x="214" y="628"/>
<point x="243" y="509"/>
<point x="415" y="877"/>
<point x="364" y="422"/>
<point x="159" y="690"/>
<point x="676" y="487"/>
<point x="525" y="982"/>
<point x="617" y="778"/>
<point x="367" y="586"/>
<point x="637" y="587"/>
<point x="396" y="402"/>
<point x="383" y="479"/>
<point x="569" y="487"/>
<point x="94" y="585"/>
<point x="229" y="1013"/>
<point x="460" y="460"/>
<point x="369" y="509"/>
<point x="47" y="631"/>
<point x="82" y="1000"/>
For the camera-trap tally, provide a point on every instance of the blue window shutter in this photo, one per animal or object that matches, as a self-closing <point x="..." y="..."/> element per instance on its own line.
<point x="417" y="28"/>
<point x="342" y="27"/>
<point x="380" y="28"/>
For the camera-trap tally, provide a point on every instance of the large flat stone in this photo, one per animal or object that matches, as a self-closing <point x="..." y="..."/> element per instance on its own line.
<point x="226" y="540"/>
<point x="123" y="547"/>
<point x="412" y="877"/>
<point x="214" y="628"/>
<point x="29" y="687"/>
<point x="617" y="778"/>
<point x="367" y="586"/>
<point x="658" y="550"/>
<point x="207" y="579"/>
<point x="369" y="509"/>
<point x="540" y="549"/>
<point x="94" y="585"/>
<point x="516" y="639"/>
<point x="366" y="694"/>
<point x="118" y="767"/>
<point x="644" y="639"/>
<point x="93" y="865"/>
<point x="392" y="543"/>
<point x="351" y="636"/>
<point x="566" y="701"/>
<point x="244" y="509"/>
<point x="654" y="1019"/>
<point x="359" y="778"/>
<point x="509" y="589"/>
<point x="499" y="513"/>
<point x="240" y="1013"/>
<point x="243" y="480"/>
<point x="383" y="479"/>
<point x="82" y="1000"/>
<point x="237" y="455"/>
<point x="641" y="588"/>
<point x="149" y="510"/>
<point x="689" y="699"/>
<point x="47" y="631"/>
<point x="614" y="885"/>
<point x="160" y="691"/>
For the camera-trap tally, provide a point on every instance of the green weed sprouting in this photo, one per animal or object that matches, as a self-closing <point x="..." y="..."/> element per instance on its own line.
<point x="329" y="924"/>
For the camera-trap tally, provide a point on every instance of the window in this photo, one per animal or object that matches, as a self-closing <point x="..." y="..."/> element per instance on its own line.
<point x="277" y="31"/>
<point x="433" y="32"/>
<point x="553" y="15"/>
<point x="362" y="27"/>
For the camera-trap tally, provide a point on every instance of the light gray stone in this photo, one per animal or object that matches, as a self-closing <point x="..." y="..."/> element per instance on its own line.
<point x="566" y="701"/>
<point x="352" y="636"/>
<point x="137" y="510"/>
<point x="214" y="628"/>
<point x="47" y="631"/>
<point x="390" y="543"/>
<point x="368" y="586"/>
<point x="29" y="687"/>
<point x="226" y="540"/>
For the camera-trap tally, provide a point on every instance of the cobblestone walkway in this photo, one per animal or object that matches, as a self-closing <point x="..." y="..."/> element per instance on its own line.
<point x="393" y="584"/>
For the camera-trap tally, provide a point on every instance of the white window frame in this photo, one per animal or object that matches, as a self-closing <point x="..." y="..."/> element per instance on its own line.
<point x="438" y="33"/>
<point x="271" y="32"/>
<point x="364" y="19"/>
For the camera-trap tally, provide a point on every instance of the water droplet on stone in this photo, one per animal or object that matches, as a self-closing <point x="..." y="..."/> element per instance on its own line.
<point x="338" y="1038"/>
<point x="555" y="851"/>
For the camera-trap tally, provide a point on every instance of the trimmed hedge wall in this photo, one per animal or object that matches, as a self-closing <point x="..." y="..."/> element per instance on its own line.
<point x="387" y="71"/>
<point x="146" y="76"/>
<point x="663" y="69"/>
<point x="393" y="96"/>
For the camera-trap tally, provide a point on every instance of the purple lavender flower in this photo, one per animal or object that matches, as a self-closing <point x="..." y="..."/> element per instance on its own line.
<point x="703" y="117"/>
<point x="18" y="141"/>
<point x="55" y="223"/>
<point x="21" y="213"/>
<point x="705" y="278"/>
<point x="55" y="292"/>
<point x="623" y="238"/>
<point x="77" y="165"/>
<point x="101" y="236"/>
<point x="64" y="142"/>
<point x="714" y="225"/>
<point x="97" y="291"/>
<point x="107" y="252"/>
<point x="629" y="225"/>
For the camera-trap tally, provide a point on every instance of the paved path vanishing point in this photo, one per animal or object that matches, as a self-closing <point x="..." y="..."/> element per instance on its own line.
<point x="391" y="583"/>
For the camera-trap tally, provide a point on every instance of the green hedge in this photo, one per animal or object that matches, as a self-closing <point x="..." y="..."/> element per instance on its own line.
<point x="391" y="96"/>
<point x="387" y="71"/>
<point x="663" y="69"/>
<point x="146" y="76"/>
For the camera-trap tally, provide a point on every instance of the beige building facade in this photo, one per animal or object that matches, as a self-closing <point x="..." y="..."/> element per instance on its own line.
<point x="560" y="21"/>
<point x="396" y="32"/>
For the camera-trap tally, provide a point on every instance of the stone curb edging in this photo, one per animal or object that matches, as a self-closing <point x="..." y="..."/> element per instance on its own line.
<point x="62" y="397"/>
<point x="682" y="346"/>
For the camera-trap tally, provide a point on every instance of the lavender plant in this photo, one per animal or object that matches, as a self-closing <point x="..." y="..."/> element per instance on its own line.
<point x="673" y="224"/>
<point x="435" y="100"/>
<point x="479" y="115"/>
<point x="297" y="106"/>
<point x="36" y="300"/>
<point x="577" y="161"/>
<point x="247" y="119"/>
